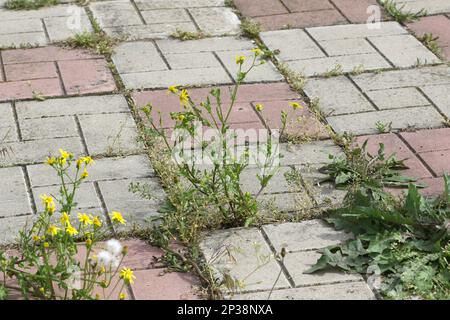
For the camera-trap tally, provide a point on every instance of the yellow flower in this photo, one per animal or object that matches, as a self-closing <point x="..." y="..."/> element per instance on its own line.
<point x="259" y="107"/>
<point x="240" y="59"/>
<point x="127" y="275"/>
<point x="88" y="243"/>
<point x="50" y="161"/>
<point x="102" y="270"/>
<point x="295" y="105"/>
<point x="88" y="160"/>
<point x="46" y="245"/>
<point x="64" y="218"/>
<point x="257" y="51"/>
<point x="85" y="174"/>
<point x="46" y="199"/>
<point x="181" y="117"/>
<point x="117" y="217"/>
<point x="53" y="230"/>
<point x="49" y="203"/>
<point x="84" y="219"/>
<point x="173" y="89"/>
<point x="122" y="296"/>
<point x="36" y="238"/>
<point x="184" y="97"/>
<point x="97" y="222"/>
<point x="65" y="154"/>
<point x="71" y="230"/>
<point x="97" y="296"/>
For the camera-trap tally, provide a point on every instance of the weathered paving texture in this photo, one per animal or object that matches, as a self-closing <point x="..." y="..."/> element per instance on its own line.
<point x="303" y="193"/>
<point x="163" y="63"/>
<point x="41" y="27"/>
<point x="99" y="126"/>
<point x="281" y="14"/>
<point x="426" y="151"/>
<point x="249" y="255"/>
<point x="160" y="18"/>
<point x="431" y="6"/>
<point x="52" y="71"/>
<point x="316" y="51"/>
<point x="438" y="27"/>
<point x="410" y="99"/>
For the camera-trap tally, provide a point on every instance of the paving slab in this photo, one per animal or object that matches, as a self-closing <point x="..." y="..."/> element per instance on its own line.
<point x="340" y="291"/>
<point x="298" y="262"/>
<point x="244" y="254"/>
<point x="136" y="20"/>
<point x="435" y="26"/>
<point x="42" y="26"/>
<point x="52" y="71"/>
<point x="105" y="127"/>
<point x="281" y="14"/>
<point x="425" y="152"/>
<point x="363" y="100"/>
<point x="431" y="6"/>
<point x="238" y="251"/>
<point x="208" y="61"/>
<point x="307" y="235"/>
<point x="347" y="48"/>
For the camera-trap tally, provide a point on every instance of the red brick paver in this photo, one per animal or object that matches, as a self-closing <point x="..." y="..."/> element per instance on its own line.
<point x="274" y="97"/>
<point x="52" y="71"/>
<point x="427" y="151"/>
<point x="438" y="26"/>
<point x="279" y="14"/>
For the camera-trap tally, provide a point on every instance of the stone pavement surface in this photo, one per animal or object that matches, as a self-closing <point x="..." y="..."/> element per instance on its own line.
<point x="409" y="99"/>
<point x="41" y="27"/>
<point x="390" y="77"/>
<point x="163" y="63"/>
<point x="52" y="71"/>
<point x="249" y="255"/>
<point x="160" y="18"/>
<point x="436" y="26"/>
<point x="319" y="50"/>
<point x="281" y="14"/>
<point x="431" y="6"/>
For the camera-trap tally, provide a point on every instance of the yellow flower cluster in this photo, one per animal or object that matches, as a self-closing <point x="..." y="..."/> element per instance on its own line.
<point x="117" y="217"/>
<point x="295" y="105"/>
<point x="240" y="59"/>
<point x="61" y="160"/>
<point x="127" y="275"/>
<point x="49" y="204"/>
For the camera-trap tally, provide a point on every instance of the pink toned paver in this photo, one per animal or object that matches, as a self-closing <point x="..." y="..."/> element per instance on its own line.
<point x="52" y="71"/>
<point x="274" y="97"/>
<point x="153" y="282"/>
<point x="279" y="14"/>
<point x="427" y="153"/>
<point x="438" y="26"/>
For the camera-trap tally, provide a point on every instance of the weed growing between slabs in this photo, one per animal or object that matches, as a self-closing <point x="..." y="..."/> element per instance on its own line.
<point x="203" y="179"/>
<point x="97" y="41"/>
<point x="398" y="13"/>
<point x="402" y="245"/>
<point x="58" y="257"/>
